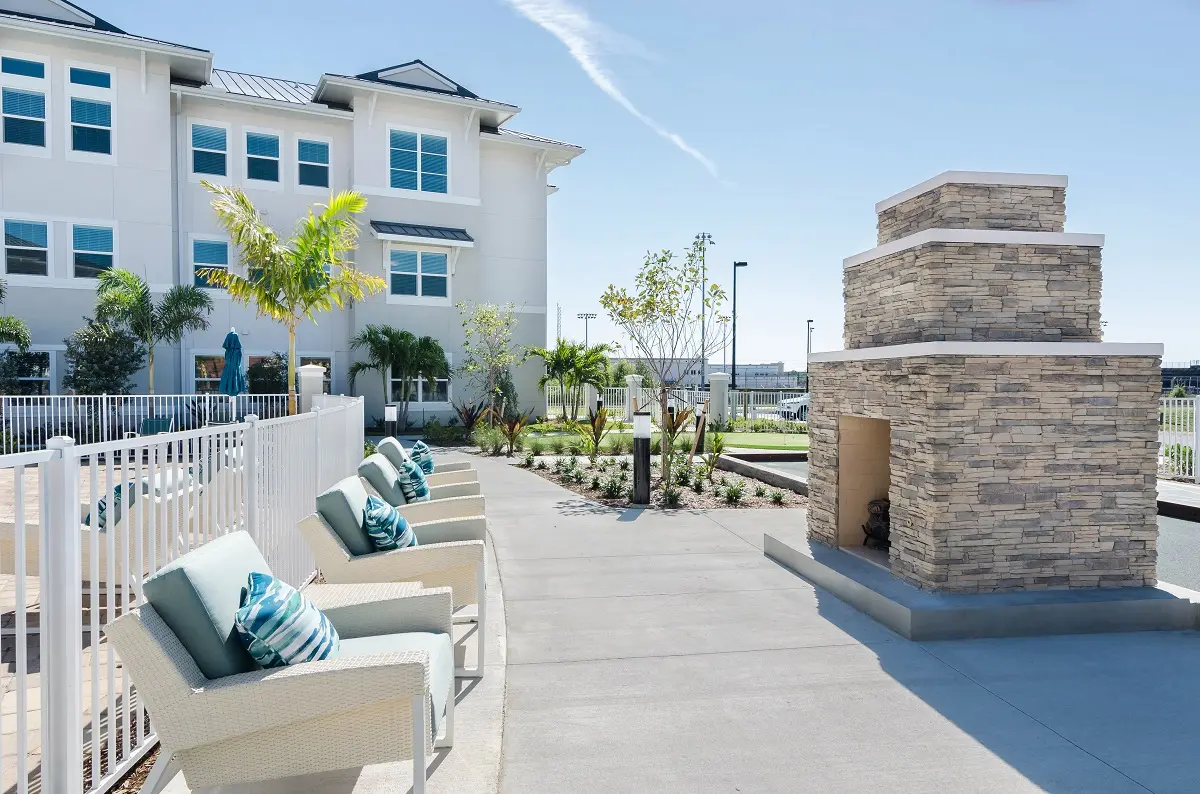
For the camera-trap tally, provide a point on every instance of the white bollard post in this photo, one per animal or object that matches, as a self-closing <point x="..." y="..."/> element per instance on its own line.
<point x="633" y="387"/>
<point x="312" y="377"/>
<point x="61" y="623"/>
<point x="718" y="406"/>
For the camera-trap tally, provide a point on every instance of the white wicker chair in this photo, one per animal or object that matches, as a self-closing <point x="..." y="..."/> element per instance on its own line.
<point x="381" y="475"/>
<point x="451" y="535"/>
<point x="394" y="451"/>
<point x="301" y="719"/>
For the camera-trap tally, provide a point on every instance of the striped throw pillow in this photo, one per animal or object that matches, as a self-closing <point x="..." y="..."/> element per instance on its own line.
<point x="412" y="482"/>
<point x="386" y="527"/>
<point x="422" y="457"/>
<point x="279" y="626"/>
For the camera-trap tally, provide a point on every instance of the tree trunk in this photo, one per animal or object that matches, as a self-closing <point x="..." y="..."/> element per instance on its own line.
<point x="665" y="447"/>
<point x="150" y="368"/>
<point x="291" y="370"/>
<point x="402" y="406"/>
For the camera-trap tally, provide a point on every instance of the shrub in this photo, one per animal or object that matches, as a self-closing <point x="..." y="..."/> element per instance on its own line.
<point x="102" y="359"/>
<point x="486" y="437"/>
<point x="577" y="477"/>
<point x="536" y="446"/>
<point x="437" y="433"/>
<point x="574" y="447"/>
<point x="369" y="449"/>
<point x="698" y="485"/>
<point x="529" y="458"/>
<point x="724" y="480"/>
<point x="624" y="475"/>
<point x="733" y="492"/>
<point x="558" y="444"/>
<point x="672" y="496"/>
<point x="608" y="462"/>
<point x="656" y="445"/>
<point x="612" y="488"/>
<point x="777" y="497"/>
<point x="595" y="482"/>
<point x="624" y="463"/>
<point x="469" y="414"/>
<point x="1179" y="457"/>
<point x="541" y="465"/>
<point x="684" y="474"/>
<point x="760" y="490"/>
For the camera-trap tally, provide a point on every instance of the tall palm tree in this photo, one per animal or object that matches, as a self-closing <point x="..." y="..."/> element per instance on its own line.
<point x="13" y="330"/>
<point x="405" y="355"/>
<point x="291" y="280"/>
<point x="123" y="298"/>
<point x="590" y="369"/>
<point x="559" y="362"/>
<point x="380" y="343"/>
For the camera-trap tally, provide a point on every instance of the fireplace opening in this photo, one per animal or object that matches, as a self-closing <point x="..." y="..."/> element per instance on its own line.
<point x="864" y="477"/>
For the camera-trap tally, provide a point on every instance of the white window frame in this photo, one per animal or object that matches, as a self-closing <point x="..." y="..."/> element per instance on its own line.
<point x="451" y="255"/>
<point x="436" y="405"/>
<point x="40" y="85"/>
<point x="94" y="94"/>
<point x="418" y="193"/>
<point x="213" y="292"/>
<point x="262" y="184"/>
<point x="312" y="189"/>
<point x="199" y="354"/>
<point x="105" y="224"/>
<point x="52" y="350"/>
<point x="25" y="278"/>
<point x="230" y="152"/>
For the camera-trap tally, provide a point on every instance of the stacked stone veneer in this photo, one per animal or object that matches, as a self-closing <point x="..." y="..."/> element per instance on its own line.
<point x="1007" y="472"/>
<point x="974" y="292"/>
<point x="974" y="206"/>
<point x="1012" y="466"/>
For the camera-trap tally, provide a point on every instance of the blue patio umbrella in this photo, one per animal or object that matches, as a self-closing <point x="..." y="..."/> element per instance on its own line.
<point x="233" y="382"/>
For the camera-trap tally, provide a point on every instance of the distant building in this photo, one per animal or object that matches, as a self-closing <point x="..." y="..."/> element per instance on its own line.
<point x="1181" y="373"/>
<point x="681" y="372"/>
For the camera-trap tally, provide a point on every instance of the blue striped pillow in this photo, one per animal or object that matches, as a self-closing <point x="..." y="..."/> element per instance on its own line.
<point x="412" y="482"/>
<point x="422" y="457"/>
<point x="279" y="626"/>
<point x="386" y="527"/>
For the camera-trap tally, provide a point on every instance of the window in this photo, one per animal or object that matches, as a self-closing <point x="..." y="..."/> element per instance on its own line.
<point x="420" y="273"/>
<point x="93" y="250"/>
<point x="208" y="374"/>
<point x="313" y="159"/>
<point x="91" y="126"/>
<point x="25" y="374"/>
<point x="422" y="390"/>
<point x="26" y="248"/>
<point x="22" y="67"/>
<point x="262" y="157"/>
<point x="418" y="161"/>
<point x="90" y="77"/>
<point x="208" y="150"/>
<point x="24" y="117"/>
<point x="208" y="253"/>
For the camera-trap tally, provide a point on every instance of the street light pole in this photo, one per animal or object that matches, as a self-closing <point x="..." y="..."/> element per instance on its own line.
<point x="585" y="316"/>
<point x="733" y="357"/>
<point x="705" y="238"/>
<point x="808" y="353"/>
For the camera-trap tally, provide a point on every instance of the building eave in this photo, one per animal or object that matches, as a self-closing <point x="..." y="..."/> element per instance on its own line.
<point x="498" y="112"/>
<point x="415" y="240"/>
<point x="217" y="95"/>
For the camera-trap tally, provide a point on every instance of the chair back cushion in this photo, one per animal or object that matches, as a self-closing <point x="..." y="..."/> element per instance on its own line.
<point x="344" y="508"/>
<point x="412" y="482"/>
<point x="198" y="595"/>
<point x="393" y="450"/>
<point x="422" y="457"/>
<point x="153" y="425"/>
<point x="384" y="478"/>
<point x="386" y="527"/>
<point x="279" y="626"/>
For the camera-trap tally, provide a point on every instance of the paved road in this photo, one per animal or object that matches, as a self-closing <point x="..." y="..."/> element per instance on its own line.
<point x="664" y="653"/>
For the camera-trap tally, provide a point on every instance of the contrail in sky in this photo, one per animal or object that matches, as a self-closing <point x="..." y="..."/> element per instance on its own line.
<point x="585" y="39"/>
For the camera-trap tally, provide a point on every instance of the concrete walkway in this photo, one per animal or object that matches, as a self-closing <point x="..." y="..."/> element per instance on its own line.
<point x="663" y="653"/>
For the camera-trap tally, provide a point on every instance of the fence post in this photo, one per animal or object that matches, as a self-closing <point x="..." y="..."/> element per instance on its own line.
<point x="316" y="412"/>
<point x="1196" y="439"/>
<point x="250" y="470"/>
<point x="62" y="625"/>
<point x="107" y="419"/>
<point x="718" y="407"/>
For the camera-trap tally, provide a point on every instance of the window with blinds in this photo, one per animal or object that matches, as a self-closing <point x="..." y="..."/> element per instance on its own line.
<point x="419" y="162"/>
<point x="92" y="250"/>
<point x="26" y="248"/>
<point x="312" y="163"/>
<point x="209" y="147"/>
<point x="208" y="254"/>
<point x="419" y="274"/>
<point x="262" y="157"/>
<point x="24" y="115"/>
<point x="91" y="126"/>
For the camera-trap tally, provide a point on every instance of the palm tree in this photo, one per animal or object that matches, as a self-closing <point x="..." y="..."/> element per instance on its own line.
<point x="559" y="361"/>
<point x="381" y="343"/>
<point x="406" y="356"/>
<point x="590" y="369"/>
<point x="291" y="280"/>
<point x="13" y="330"/>
<point x="123" y="298"/>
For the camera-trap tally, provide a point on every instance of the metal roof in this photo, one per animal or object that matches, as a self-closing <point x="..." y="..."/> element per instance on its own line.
<point x="101" y="27"/>
<point x="374" y="76"/>
<point x="504" y="132"/>
<point x="417" y="230"/>
<point x="254" y="85"/>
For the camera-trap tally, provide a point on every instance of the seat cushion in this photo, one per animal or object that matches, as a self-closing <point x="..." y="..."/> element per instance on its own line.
<point x="393" y="450"/>
<point x="344" y="508"/>
<point x="386" y="528"/>
<point x="441" y="660"/>
<point x="422" y="457"/>
<point x="279" y="626"/>
<point x="412" y="483"/>
<point x="377" y="470"/>
<point x="198" y="595"/>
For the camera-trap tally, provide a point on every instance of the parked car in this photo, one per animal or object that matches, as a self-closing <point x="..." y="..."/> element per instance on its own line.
<point x="794" y="409"/>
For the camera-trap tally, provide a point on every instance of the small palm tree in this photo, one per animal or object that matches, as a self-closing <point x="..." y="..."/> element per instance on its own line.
<point x="13" y="330"/>
<point x="590" y="368"/>
<point x="123" y="298"/>
<point x="290" y="281"/>
<point x="380" y="343"/>
<point x="559" y="361"/>
<point x="405" y="355"/>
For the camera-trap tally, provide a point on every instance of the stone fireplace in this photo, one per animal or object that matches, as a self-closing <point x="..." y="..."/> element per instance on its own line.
<point x="1018" y="450"/>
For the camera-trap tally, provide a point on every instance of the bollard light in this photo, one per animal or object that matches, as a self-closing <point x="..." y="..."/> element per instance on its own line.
<point x="391" y="415"/>
<point x="641" y="424"/>
<point x="641" y="457"/>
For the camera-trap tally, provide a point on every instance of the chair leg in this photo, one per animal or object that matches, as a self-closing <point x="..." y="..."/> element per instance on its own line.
<point x="420" y="736"/>
<point x="480" y="620"/>
<point x="447" y="737"/>
<point x="164" y="769"/>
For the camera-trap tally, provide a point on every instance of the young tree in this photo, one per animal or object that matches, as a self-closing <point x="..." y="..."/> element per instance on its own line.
<point x="489" y="351"/>
<point x="102" y="359"/>
<point x="291" y="280"/>
<point x="590" y="369"/>
<point x="123" y="298"/>
<point x="13" y="330"/>
<point x="670" y="319"/>
<point x="560" y="361"/>
<point x="406" y="356"/>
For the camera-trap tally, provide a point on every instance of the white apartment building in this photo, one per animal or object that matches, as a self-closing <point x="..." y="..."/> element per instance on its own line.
<point x="107" y="135"/>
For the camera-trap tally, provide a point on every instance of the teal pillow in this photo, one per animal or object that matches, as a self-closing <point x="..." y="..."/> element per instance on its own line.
<point x="422" y="457"/>
<point x="279" y="626"/>
<point x="412" y="482"/>
<point x="386" y="527"/>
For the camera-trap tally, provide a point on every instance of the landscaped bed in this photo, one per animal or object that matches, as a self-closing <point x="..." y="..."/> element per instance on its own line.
<point x="609" y="480"/>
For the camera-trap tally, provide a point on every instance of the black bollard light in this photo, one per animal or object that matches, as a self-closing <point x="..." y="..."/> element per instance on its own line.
<point x="700" y="427"/>
<point x="641" y="457"/>
<point x="390" y="417"/>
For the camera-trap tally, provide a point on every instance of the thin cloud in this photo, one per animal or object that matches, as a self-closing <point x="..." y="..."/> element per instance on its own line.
<point x="585" y="39"/>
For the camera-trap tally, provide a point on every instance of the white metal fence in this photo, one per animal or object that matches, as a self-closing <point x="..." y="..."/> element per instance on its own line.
<point x="1178" y="438"/>
<point x="27" y="421"/>
<point x="777" y="407"/>
<point x="77" y="722"/>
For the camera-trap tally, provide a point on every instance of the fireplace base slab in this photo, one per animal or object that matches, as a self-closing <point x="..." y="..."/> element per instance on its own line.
<point x="923" y="615"/>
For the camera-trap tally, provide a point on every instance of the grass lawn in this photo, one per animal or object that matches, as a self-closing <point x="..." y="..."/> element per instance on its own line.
<point x="797" y="441"/>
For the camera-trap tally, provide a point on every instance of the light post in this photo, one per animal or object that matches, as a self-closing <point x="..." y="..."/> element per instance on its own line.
<point x="808" y="349"/>
<point x="641" y="457"/>
<point x="733" y="355"/>
<point x="706" y="238"/>
<point x="390" y="417"/>
<point x="585" y="316"/>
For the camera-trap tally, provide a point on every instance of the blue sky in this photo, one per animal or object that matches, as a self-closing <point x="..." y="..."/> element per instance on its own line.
<point x="809" y="112"/>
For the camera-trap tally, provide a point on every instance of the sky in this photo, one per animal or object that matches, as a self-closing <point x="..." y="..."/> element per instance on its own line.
<point x="775" y="126"/>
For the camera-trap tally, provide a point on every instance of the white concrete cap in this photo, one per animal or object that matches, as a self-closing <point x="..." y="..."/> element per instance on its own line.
<point x="981" y="236"/>
<point x="916" y="349"/>
<point x="972" y="178"/>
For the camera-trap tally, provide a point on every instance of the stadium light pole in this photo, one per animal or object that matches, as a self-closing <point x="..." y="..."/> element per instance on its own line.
<point x="733" y="355"/>
<point x="585" y="316"/>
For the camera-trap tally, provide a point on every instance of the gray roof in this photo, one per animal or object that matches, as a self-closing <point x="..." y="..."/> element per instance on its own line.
<point x="254" y="85"/>
<point x="417" y="230"/>
<point x="504" y="132"/>
<point x="100" y="27"/>
<point x="374" y="77"/>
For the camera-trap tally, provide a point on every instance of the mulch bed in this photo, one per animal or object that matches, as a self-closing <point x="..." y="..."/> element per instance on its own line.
<point x="712" y="495"/>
